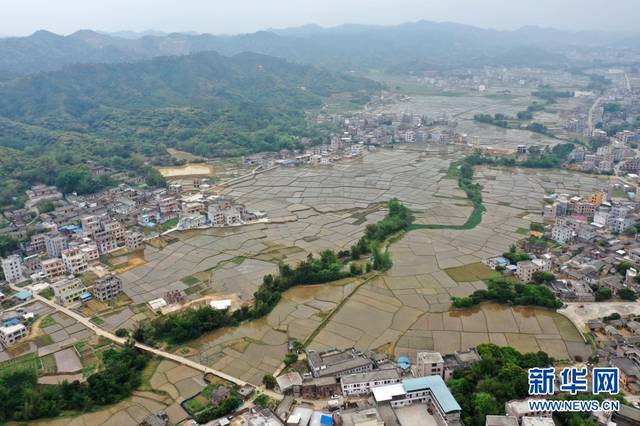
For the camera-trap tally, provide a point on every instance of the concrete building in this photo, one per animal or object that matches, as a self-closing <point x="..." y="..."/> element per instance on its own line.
<point x="55" y="244"/>
<point x="53" y="268"/>
<point x="74" y="261"/>
<point x="338" y="363"/>
<point x="133" y="240"/>
<point x="501" y="421"/>
<point x="12" y="333"/>
<point x="361" y="417"/>
<point x="562" y="234"/>
<point x="429" y="364"/>
<point x="537" y="421"/>
<point x="68" y="290"/>
<point x="525" y="270"/>
<point x="520" y="409"/>
<point x="107" y="287"/>
<point x="430" y="390"/>
<point x="362" y="383"/>
<point x="12" y="268"/>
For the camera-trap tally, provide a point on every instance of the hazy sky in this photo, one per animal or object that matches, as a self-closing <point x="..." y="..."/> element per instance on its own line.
<point x="21" y="17"/>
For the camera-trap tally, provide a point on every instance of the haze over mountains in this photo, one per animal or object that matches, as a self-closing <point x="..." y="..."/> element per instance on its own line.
<point x="345" y="47"/>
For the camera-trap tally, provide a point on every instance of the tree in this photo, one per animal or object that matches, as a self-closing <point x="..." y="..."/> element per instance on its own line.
<point x="538" y="227"/>
<point x="627" y="294"/>
<point x="541" y="277"/>
<point x="45" y="206"/>
<point x="623" y="266"/>
<point x="7" y="245"/>
<point x="122" y="332"/>
<point x="269" y="381"/>
<point x="290" y="358"/>
<point x="603" y="293"/>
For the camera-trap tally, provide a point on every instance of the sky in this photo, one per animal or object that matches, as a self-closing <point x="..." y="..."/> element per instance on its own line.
<point x="23" y="17"/>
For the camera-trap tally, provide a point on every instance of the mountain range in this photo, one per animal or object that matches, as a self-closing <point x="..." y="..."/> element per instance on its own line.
<point x="345" y="47"/>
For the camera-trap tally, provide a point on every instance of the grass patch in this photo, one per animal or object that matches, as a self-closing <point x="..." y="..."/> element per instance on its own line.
<point x="97" y="320"/>
<point x="47" y="321"/>
<point x="195" y="405"/>
<point x="170" y="224"/>
<point x="238" y="260"/>
<point x="462" y="171"/>
<point x="190" y="280"/>
<point x="49" y="365"/>
<point x="472" y="272"/>
<point x="522" y="231"/>
<point x="25" y="362"/>
<point x="43" y="340"/>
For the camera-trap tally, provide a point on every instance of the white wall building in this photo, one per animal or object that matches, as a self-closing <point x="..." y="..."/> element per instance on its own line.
<point x="12" y="268"/>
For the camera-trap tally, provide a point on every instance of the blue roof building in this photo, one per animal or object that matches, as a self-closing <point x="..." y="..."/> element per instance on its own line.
<point x="326" y="420"/>
<point x="24" y="295"/>
<point x="404" y="362"/>
<point x="12" y="321"/>
<point x="429" y="390"/>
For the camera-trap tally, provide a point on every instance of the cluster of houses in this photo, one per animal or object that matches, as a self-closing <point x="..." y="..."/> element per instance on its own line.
<point x="204" y="211"/>
<point x="585" y="218"/>
<point x="618" y="338"/>
<point x="371" y="128"/>
<point x="367" y="388"/>
<point x="386" y="390"/>
<point x="605" y="157"/>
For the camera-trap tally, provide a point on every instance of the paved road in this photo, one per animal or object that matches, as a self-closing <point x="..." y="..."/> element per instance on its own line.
<point x="590" y="116"/>
<point x="158" y="352"/>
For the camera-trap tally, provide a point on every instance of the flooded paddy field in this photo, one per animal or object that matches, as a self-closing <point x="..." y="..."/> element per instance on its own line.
<point x="257" y="348"/>
<point x="409" y="307"/>
<point x="311" y="209"/>
<point x="399" y="312"/>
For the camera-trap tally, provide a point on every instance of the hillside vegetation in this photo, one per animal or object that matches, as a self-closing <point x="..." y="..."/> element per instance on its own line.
<point x="125" y="114"/>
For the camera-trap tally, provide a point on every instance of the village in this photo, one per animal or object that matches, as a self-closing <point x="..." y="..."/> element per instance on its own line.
<point x="117" y="257"/>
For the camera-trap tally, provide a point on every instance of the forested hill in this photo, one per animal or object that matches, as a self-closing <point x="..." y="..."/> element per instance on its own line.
<point x="413" y="46"/>
<point x="204" y="103"/>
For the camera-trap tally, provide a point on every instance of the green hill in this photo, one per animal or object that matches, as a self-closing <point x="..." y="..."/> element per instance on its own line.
<point x="127" y="114"/>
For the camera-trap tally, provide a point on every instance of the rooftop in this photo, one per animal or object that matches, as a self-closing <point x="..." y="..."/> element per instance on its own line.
<point x="370" y="376"/>
<point x="439" y="389"/>
<point x="501" y="421"/>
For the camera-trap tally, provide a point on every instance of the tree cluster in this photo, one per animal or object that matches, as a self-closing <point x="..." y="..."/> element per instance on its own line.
<point x="501" y="375"/>
<point x="22" y="398"/>
<point x="505" y="290"/>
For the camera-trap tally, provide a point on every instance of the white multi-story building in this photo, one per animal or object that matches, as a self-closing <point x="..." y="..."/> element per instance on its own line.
<point x="430" y="390"/>
<point x="68" y="290"/>
<point x="90" y="252"/>
<point x="562" y="234"/>
<point x="12" y="268"/>
<point x="53" y="268"/>
<point x="429" y="364"/>
<point x="74" y="261"/>
<point x="55" y="244"/>
<point x="12" y="333"/>
<point x="107" y="287"/>
<point x="586" y="232"/>
<point x="362" y="383"/>
<point x="133" y="240"/>
<point x="620" y="224"/>
<point x="191" y="221"/>
<point x="526" y="268"/>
